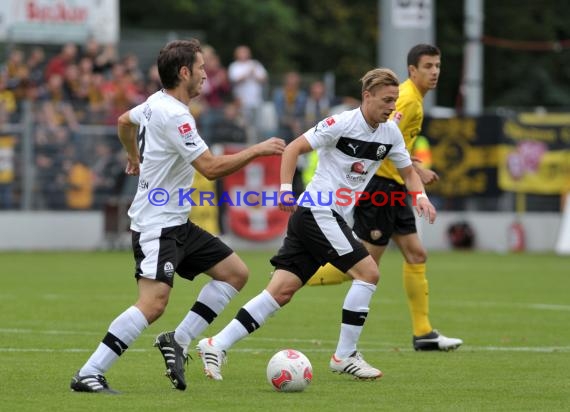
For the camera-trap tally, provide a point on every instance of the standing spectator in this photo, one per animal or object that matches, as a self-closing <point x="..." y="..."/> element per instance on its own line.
<point x="7" y="101"/>
<point x="247" y="77"/>
<point x="217" y="89"/>
<point x="290" y="101"/>
<point x="318" y="104"/>
<point x="153" y="83"/>
<point x="217" y="86"/>
<point x="79" y="190"/>
<point x="7" y="145"/>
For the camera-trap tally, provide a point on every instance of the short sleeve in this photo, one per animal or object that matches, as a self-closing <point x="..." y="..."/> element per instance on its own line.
<point x="325" y="133"/>
<point x="182" y="133"/>
<point x="399" y="155"/>
<point x="136" y="113"/>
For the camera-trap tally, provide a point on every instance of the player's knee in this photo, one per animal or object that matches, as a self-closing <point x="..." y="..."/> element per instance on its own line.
<point x="284" y="296"/>
<point x="417" y="256"/>
<point x="370" y="276"/>
<point x="239" y="276"/>
<point x="153" y="309"/>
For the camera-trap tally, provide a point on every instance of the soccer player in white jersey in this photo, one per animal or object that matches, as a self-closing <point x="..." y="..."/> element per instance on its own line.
<point x="164" y="148"/>
<point x="351" y="146"/>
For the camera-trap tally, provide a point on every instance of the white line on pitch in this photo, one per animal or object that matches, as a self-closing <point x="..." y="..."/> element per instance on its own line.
<point x="314" y="350"/>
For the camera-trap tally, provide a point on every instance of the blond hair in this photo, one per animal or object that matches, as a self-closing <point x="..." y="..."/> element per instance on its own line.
<point x="379" y="77"/>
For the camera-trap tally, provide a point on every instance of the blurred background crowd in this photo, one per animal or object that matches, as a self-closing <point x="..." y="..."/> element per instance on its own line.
<point x="70" y="100"/>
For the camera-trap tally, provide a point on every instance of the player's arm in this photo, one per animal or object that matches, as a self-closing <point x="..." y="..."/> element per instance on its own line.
<point x="415" y="188"/>
<point x="428" y="176"/>
<point x="288" y="164"/>
<point x="127" y="131"/>
<point x="213" y="167"/>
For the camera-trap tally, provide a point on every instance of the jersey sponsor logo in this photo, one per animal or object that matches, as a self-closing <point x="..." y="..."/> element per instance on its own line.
<point x="358" y="167"/>
<point x="363" y="150"/>
<point x="186" y="133"/>
<point x="330" y="121"/>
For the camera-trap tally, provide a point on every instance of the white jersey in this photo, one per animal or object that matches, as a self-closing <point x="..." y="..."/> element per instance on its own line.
<point x="168" y="142"/>
<point x="349" y="152"/>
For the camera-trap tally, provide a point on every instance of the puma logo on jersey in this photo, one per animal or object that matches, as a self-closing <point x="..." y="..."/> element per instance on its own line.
<point x="353" y="147"/>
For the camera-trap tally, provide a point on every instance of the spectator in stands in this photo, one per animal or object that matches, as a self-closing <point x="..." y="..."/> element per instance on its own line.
<point x="120" y="92"/>
<point x="55" y="105"/>
<point x="79" y="187"/>
<point x="216" y="91"/>
<point x="52" y="148"/>
<point x="230" y="128"/>
<point x="7" y="172"/>
<point x="248" y="77"/>
<point x="7" y="100"/>
<point x="290" y="101"/>
<point x="14" y="66"/>
<point x="36" y="65"/>
<point x="106" y="59"/>
<point x="106" y="169"/>
<point x="153" y="83"/>
<point x="58" y="63"/>
<point x="318" y="104"/>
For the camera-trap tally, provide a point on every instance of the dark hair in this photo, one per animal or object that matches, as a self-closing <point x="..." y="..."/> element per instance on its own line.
<point x="419" y="50"/>
<point x="175" y="55"/>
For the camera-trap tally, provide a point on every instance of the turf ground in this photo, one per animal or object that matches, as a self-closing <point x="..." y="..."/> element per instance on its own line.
<point x="513" y="312"/>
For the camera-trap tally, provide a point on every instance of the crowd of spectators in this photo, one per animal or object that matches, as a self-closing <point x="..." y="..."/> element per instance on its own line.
<point x="91" y="84"/>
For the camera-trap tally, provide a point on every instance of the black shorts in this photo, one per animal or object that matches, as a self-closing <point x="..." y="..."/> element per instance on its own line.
<point x="376" y="224"/>
<point x="315" y="237"/>
<point x="186" y="249"/>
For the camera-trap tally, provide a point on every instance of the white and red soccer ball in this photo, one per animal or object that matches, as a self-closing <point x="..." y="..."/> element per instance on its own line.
<point x="289" y="371"/>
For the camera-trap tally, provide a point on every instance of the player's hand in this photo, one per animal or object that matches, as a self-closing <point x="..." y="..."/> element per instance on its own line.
<point x="272" y="146"/>
<point x="425" y="209"/>
<point x="427" y="176"/>
<point x="287" y="201"/>
<point x="133" y="166"/>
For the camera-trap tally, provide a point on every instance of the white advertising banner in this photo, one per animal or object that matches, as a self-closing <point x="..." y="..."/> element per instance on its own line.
<point x="59" y="21"/>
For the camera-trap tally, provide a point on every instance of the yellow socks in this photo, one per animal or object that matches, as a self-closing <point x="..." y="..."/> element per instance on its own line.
<point x="416" y="286"/>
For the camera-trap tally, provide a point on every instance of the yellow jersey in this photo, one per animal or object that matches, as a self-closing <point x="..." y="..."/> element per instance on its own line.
<point x="410" y="105"/>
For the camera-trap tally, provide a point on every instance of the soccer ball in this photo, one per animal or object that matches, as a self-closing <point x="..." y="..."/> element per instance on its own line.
<point x="289" y="371"/>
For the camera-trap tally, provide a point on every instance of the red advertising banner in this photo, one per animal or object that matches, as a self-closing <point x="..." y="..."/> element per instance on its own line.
<point x="251" y="195"/>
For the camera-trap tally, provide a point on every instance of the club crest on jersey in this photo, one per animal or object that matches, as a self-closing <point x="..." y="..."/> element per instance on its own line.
<point x="168" y="269"/>
<point x="381" y="152"/>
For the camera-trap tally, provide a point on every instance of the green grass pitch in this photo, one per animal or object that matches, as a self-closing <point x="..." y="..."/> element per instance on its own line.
<point x="512" y="311"/>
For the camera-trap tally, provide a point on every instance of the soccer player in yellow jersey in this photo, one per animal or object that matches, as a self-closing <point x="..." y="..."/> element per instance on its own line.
<point x="376" y="225"/>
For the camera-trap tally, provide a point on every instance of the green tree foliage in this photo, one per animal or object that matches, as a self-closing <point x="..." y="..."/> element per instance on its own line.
<point x="340" y="36"/>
